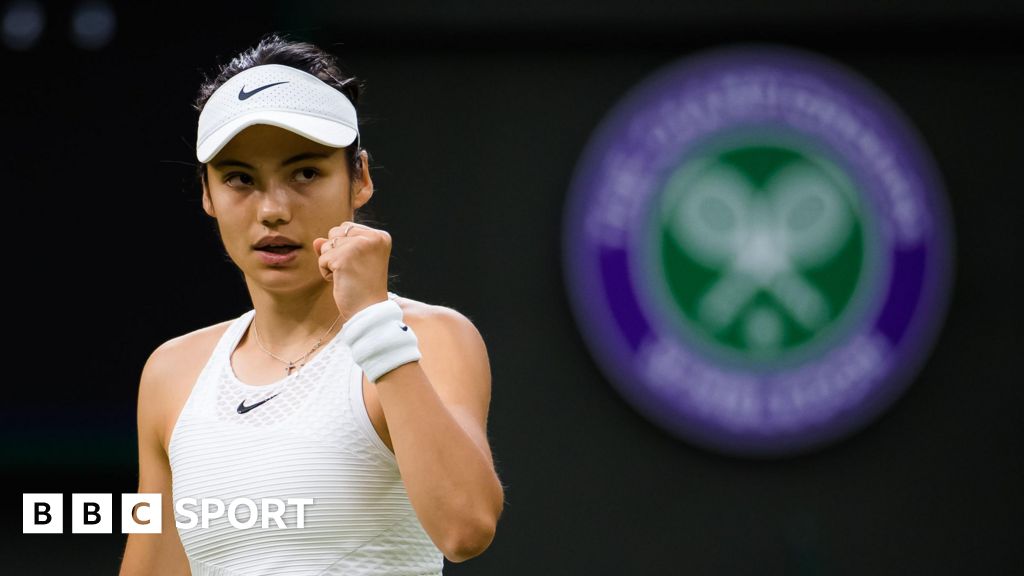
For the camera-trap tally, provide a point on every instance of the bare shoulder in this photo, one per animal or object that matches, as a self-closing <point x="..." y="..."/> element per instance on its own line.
<point x="168" y="358"/>
<point x="434" y="317"/>
<point x="169" y="374"/>
<point x="447" y="338"/>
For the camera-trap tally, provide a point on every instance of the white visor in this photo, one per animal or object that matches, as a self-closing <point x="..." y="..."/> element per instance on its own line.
<point x="281" y="96"/>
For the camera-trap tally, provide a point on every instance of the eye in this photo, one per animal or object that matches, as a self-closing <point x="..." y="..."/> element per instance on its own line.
<point x="310" y="172"/>
<point x="240" y="174"/>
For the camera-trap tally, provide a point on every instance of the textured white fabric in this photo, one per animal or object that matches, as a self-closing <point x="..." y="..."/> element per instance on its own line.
<point x="379" y="340"/>
<point x="281" y="96"/>
<point x="313" y="440"/>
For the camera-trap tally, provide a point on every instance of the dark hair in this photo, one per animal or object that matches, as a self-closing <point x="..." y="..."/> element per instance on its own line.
<point x="277" y="49"/>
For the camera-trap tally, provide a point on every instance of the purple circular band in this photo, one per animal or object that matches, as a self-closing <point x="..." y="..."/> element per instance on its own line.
<point x="679" y="108"/>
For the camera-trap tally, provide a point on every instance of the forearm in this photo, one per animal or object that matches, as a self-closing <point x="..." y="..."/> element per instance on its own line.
<point x="449" y="478"/>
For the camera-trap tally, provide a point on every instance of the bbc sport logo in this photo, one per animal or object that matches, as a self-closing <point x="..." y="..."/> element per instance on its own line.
<point x="142" y="513"/>
<point x="758" y="250"/>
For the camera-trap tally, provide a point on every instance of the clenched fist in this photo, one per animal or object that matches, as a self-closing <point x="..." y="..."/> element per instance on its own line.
<point x="355" y="257"/>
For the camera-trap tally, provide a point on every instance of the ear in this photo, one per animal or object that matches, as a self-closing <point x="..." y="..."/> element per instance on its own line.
<point x="362" y="188"/>
<point x="208" y="201"/>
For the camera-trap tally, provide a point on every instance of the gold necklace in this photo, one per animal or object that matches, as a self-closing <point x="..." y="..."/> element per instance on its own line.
<point x="290" y="364"/>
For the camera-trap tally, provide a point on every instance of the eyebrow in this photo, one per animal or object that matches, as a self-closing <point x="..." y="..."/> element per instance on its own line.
<point x="292" y="160"/>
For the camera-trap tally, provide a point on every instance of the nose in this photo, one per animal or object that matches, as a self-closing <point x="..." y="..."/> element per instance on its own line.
<point x="274" y="205"/>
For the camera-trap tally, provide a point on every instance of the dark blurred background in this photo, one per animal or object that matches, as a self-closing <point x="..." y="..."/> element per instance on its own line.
<point x="475" y="116"/>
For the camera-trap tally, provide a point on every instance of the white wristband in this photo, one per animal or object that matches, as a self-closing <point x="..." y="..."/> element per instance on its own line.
<point x="379" y="340"/>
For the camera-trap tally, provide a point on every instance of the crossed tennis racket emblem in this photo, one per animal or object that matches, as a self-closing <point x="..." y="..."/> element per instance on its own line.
<point x="761" y="240"/>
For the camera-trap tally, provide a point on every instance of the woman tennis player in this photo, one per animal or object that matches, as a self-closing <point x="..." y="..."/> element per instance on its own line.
<point x="332" y="391"/>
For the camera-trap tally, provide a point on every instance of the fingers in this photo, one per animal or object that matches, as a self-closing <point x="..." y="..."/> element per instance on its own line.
<point x="337" y="234"/>
<point x="370" y="239"/>
<point x="322" y="246"/>
<point x="347" y="229"/>
<point x="335" y="237"/>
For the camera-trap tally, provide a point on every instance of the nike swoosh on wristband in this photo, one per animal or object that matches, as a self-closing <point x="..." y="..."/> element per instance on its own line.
<point x="242" y="94"/>
<point x="242" y="408"/>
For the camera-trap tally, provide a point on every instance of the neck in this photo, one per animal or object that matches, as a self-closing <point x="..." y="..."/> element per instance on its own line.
<point x="290" y="323"/>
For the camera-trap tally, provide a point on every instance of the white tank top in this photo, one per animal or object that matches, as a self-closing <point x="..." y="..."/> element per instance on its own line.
<point x="312" y="438"/>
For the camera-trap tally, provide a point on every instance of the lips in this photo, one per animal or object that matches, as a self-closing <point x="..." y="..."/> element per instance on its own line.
<point x="278" y="249"/>
<point x="275" y="243"/>
<point x="278" y="256"/>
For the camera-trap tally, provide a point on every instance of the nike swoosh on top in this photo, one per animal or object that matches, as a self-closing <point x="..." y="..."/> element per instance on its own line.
<point x="242" y="94"/>
<point x="242" y="408"/>
<point x="405" y="328"/>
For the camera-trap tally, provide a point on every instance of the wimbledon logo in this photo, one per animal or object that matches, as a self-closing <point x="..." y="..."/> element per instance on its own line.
<point x="758" y="250"/>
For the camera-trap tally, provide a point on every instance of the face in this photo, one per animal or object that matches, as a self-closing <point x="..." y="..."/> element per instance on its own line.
<point x="259" y="185"/>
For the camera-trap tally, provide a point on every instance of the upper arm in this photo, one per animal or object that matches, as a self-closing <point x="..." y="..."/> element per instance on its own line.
<point x="161" y="553"/>
<point x="454" y="357"/>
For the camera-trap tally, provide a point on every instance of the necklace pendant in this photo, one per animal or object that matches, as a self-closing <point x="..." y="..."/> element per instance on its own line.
<point x="288" y="369"/>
